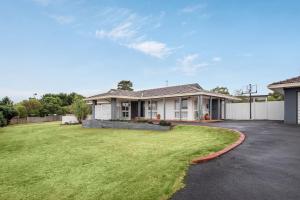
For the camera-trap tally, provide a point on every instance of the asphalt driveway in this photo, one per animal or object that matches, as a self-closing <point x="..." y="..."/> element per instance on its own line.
<point x="265" y="166"/>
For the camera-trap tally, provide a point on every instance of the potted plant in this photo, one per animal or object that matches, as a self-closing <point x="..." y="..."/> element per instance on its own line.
<point x="158" y="116"/>
<point x="206" y="116"/>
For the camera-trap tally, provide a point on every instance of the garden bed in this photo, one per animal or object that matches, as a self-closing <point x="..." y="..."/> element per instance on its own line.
<point x="123" y="125"/>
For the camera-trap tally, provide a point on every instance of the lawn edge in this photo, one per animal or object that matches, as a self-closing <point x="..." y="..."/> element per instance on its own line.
<point x="217" y="154"/>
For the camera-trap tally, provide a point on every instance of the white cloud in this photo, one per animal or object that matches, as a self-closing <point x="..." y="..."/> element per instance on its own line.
<point x="131" y="31"/>
<point x="152" y="48"/>
<point x="192" y="8"/>
<point x="63" y="19"/>
<point x="124" y="30"/>
<point x="216" y="59"/>
<point x="190" y="64"/>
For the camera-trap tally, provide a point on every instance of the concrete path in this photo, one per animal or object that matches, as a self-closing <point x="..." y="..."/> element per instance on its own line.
<point x="266" y="166"/>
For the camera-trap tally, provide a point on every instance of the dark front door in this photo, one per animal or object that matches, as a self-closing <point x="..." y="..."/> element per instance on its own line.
<point x="134" y="109"/>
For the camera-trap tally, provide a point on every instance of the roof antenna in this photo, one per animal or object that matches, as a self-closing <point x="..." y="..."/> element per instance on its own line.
<point x="167" y="83"/>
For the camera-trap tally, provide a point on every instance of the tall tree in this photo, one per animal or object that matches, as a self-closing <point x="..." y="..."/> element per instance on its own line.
<point x="33" y="107"/>
<point x="125" y="85"/>
<point x="6" y="101"/>
<point x="221" y="90"/>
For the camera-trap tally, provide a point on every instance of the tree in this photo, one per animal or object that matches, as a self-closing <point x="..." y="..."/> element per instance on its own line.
<point x="51" y="105"/>
<point x="22" y="112"/>
<point x="6" y="101"/>
<point x="275" y="96"/>
<point x="3" y="121"/>
<point x="221" y="90"/>
<point x="80" y="109"/>
<point x="8" y="112"/>
<point x="125" y="85"/>
<point x="33" y="107"/>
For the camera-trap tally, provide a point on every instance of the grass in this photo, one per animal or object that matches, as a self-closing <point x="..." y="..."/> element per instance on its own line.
<point x="51" y="161"/>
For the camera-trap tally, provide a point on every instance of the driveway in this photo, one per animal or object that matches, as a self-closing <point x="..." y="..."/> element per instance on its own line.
<point x="265" y="166"/>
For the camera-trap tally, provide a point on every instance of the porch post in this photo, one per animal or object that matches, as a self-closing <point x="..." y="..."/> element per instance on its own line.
<point x="150" y="108"/>
<point x="113" y="108"/>
<point x="139" y="108"/>
<point x="199" y="106"/>
<point x="219" y="108"/>
<point x="210" y="108"/>
<point x="225" y="101"/>
<point x="93" y="109"/>
<point x="164" y="102"/>
<point x="180" y="105"/>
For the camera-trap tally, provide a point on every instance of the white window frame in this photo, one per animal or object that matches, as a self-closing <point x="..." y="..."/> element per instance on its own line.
<point x="154" y="105"/>
<point x="184" y="110"/>
<point x="124" y="111"/>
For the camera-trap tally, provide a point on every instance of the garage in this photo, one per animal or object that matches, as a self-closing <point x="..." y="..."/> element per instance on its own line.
<point x="290" y="88"/>
<point x="298" y="107"/>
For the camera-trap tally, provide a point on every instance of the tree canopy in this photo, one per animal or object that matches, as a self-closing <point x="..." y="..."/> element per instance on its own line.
<point x="221" y="90"/>
<point x="125" y="85"/>
<point x="275" y="96"/>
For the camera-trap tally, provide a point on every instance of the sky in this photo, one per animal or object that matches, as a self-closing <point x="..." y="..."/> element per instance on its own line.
<point x="88" y="46"/>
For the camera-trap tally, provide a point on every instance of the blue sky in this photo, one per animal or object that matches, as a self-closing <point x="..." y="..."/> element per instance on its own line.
<point x="87" y="46"/>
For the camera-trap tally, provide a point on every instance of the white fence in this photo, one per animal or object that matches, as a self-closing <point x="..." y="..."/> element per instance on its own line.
<point x="272" y="110"/>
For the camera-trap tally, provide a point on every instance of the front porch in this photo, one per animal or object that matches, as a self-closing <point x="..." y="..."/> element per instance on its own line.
<point x="185" y="108"/>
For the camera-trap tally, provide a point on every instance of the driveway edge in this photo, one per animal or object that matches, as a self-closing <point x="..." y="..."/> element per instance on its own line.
<point x="223" y="151"/>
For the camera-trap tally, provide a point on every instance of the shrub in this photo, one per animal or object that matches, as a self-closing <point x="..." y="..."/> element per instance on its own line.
<point x="165" y="123"/>
<point x="80" y="109"/>
<point x="22" y="112"/>
<point x="3" y="121"/>
<point x="141" y="120"/>
<point x="8" y="112"/>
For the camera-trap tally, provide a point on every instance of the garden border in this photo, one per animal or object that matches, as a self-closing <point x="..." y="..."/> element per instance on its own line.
<point x="223" y="151"/>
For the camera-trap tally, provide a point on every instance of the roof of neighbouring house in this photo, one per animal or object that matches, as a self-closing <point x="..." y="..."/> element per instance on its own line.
<point x="288" y="83"/>
<point x="171" y="91"/>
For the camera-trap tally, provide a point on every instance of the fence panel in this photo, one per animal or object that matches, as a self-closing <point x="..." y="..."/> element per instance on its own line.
<point x="273" y="110"/>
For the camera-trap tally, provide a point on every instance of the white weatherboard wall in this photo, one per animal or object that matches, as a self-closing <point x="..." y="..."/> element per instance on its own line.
<point x="272" y="110"/>
<point x="103" y="111"/>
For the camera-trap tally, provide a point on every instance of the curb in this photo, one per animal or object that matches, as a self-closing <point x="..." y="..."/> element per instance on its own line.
<point x="223" y="151"/>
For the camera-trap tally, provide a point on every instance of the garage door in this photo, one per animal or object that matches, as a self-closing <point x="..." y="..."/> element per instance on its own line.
<point x="298" y="107"/>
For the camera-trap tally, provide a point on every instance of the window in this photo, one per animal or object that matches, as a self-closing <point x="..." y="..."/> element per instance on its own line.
<point x="154" y="105"/>
<point x="154" y="109"/>
<point x="184" y="107"/>
<point x="125" y="109"/>
<point x="184" y="104"/>
<point x="184" y="114"/>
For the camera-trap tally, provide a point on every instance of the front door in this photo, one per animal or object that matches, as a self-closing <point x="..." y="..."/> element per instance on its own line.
<point x="134" y="109"/>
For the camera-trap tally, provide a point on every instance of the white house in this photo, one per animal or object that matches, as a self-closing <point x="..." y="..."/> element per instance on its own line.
<point x="184" y="102"/>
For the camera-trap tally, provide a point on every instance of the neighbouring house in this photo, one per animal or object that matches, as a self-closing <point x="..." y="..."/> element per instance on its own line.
<point x="291" y="90"/>
<point x="183" y="102"/>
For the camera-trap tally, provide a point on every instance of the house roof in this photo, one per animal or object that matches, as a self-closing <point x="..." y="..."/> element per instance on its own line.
<point x="171" y="91"/>
<point x="288" y="83"/>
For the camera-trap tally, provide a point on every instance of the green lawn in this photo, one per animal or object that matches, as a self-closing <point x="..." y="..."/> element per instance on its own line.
<point x="51" y="161"/>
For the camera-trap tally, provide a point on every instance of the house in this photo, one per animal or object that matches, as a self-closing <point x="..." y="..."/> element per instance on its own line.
<point x="291" y="90"/>
<point x="183" y="102"/>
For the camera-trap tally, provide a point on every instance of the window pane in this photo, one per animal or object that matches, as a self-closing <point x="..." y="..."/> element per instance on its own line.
<point x="184" y="104"/>
<point x="177" y="105"/>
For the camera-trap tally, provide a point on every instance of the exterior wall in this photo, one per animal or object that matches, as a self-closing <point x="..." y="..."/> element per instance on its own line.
<point x="170" y="109"/>
<point x="291" y="105"/>
<point x="103" y="109"/>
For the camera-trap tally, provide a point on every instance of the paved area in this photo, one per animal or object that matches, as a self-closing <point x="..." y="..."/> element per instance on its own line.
<point x="266" y="166"/>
